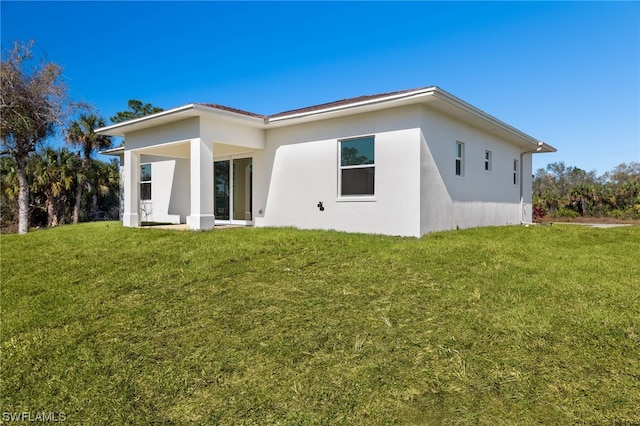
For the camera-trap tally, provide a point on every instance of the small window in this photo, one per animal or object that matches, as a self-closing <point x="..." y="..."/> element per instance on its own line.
<point x="145" y="182"/>
<point x="357" y="166"/>
<point x="487" y="161"/>
<point x="459" y="159"/>
<point x="515" y="172"/>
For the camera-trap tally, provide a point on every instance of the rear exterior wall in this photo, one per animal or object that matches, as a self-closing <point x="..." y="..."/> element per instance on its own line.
<point x="299" y="168"/>
<point x="417" y="190"/>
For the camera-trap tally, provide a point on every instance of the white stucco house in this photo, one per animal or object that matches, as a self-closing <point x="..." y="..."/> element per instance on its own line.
<point x="403" y="163"/>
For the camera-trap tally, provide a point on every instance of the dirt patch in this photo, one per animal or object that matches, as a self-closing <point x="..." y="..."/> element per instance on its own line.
<point x="591" y="220"/>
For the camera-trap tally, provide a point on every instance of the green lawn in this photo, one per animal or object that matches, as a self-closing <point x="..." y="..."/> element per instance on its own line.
<point x="509" y="325"/>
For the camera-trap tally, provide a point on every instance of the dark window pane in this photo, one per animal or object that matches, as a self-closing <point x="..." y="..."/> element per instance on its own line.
<point x="145" y="191"/>
<point x="357" y="152"/>
<point x="145" y="172"/>
<point x="458" y="167"/>
<point x="222" y="190"/>
<point x="358" y="181"/>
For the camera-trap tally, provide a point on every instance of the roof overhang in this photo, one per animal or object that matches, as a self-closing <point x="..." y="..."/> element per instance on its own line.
<point x="178" y="114"/>
<point x="449" y="104"/>
<point x="116" y="152"/>
<point x="431" y="97"/>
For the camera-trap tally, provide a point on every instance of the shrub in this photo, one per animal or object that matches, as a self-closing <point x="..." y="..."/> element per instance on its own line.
<point x="626" y="214"/>
<point x="566" y="212"/>
<point x="538" y="213"/>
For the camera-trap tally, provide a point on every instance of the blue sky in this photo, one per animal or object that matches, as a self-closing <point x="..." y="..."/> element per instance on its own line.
<point x="567" y="73"/>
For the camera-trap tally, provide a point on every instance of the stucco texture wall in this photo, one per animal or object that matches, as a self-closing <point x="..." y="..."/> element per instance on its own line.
<point x="479" y="197"/>
<point x="170" y="195"/>
<point x="299" y="168"/>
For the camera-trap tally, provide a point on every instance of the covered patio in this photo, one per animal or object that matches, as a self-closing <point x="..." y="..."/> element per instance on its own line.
<point x="181" y="147"/>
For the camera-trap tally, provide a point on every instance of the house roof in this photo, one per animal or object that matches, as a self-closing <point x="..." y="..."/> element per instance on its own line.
<point x="234" y="110"/>
<point x="181" y="113"/>
<point x="313" y="108"/>
<point x="432" y="96"/>
<point x="342" y="102"/>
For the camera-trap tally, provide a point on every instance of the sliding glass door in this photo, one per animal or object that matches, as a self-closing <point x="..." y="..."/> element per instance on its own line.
<point x="242" y="173"/>
<point x="222" y="189"/>
<point x="233" y="190"/>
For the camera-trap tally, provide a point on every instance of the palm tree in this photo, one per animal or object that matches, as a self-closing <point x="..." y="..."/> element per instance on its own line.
<point x="9" y="188"/>
<point x="107" y="180"/>
<point x="81" y="133"/>
<point x="55" y="172"/>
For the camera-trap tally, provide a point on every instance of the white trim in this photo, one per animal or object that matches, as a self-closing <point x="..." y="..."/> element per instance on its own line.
<point x="356" y="197"/>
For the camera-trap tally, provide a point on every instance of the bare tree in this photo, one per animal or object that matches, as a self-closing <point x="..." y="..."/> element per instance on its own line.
<point x="33" y="102"/>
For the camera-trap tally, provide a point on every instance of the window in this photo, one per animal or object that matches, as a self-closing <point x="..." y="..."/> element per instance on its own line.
<point x="515" y="172"/>
<point x="357" y="166"/>
<point x="145" y="182"/>
<point x="459" y="159"/>
<point x="487" y="161"/>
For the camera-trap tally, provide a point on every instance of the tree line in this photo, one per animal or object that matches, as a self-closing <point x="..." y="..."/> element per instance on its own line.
<point x="44" y="186"/>
<point x="61" y="189"/>
<point x="569" y="192"/>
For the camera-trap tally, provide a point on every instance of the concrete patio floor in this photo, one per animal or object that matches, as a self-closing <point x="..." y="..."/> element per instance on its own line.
<point x="185" y="227"/>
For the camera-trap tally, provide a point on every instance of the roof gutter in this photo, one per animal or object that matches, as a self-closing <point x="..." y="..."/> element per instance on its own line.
<point x="114" y="151"/>
<point x="539" y="148"/>
<point x="470" y="109"/>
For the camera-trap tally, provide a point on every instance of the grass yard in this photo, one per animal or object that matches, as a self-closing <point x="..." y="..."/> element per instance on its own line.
<point x="508" y="325"/>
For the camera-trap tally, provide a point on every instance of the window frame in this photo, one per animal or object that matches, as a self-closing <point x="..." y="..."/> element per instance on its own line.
<point x="459" y="160"/>
<point x="342" y="168"/>
<point x="516" y="174"/>
<point x="488" y="161"/>
<point x="146" y="182"/>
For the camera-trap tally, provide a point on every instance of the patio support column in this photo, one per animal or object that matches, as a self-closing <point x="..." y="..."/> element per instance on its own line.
<point x="202" y="185"/>
<point x="131" y="215"/>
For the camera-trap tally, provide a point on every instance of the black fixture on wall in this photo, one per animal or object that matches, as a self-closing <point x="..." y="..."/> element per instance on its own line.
<point x="320" y="206"/>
